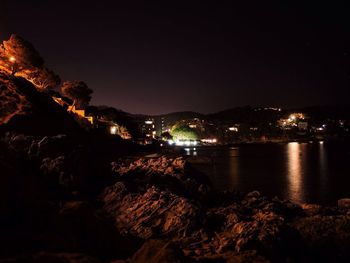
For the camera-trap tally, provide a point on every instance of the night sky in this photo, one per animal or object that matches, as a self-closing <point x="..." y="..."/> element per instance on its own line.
<point x="164" y="56"/>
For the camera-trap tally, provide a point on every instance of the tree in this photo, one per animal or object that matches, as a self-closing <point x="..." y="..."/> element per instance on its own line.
<point x="183" y="132"/>
<point x="77" y="91"/>
<point x="43" y="78"/>
<point x="20" y="55"/>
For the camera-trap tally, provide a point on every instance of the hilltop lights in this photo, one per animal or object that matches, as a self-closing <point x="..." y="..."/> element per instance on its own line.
<point x="296" y="116"/>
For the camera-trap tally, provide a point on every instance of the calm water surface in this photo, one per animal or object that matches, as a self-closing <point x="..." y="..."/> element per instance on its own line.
<point x="316" y="172"/>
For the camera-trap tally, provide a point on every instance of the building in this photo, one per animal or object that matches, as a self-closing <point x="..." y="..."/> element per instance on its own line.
<point x="148" y="128"/>
<point x="73" y="109"/>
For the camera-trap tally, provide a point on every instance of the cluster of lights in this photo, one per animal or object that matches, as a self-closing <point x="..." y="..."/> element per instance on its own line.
<point x="295" y="116"/>
<point x="182" y="142"/>
<point x="235" y="129"/>
<point x="209" y="140"/>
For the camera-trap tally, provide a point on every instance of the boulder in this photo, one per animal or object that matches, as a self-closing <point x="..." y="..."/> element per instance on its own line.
<point x="150" y="214"/>
<point x="344" y="203"/>
<point x="158" y="251"/>
<point x="325" y="237"/>
<point x="311" y="209"/>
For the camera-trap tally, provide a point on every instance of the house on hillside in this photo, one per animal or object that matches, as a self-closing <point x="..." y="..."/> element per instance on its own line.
<point x="64" y="103"/>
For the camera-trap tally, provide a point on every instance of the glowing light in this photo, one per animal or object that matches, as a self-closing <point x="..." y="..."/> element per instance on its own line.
<point x="148" y="122"/>
<point x="209" y="140"/>
<point x="170" y="142"/>
<point x="12" y="59"/>
<point x="113" y="130"/>
<point x="233" y="129"/>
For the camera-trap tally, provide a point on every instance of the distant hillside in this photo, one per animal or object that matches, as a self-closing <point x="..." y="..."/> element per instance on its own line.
<point x="247" y="115"/>
<point x="183" y="115"/>
<point x="120" y="117"/>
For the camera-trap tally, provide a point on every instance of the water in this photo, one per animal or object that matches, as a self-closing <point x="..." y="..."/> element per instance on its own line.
<point x="317" y="172"/>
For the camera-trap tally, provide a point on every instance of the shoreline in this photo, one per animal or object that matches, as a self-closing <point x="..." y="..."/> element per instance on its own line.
<point x="73" y="198"/>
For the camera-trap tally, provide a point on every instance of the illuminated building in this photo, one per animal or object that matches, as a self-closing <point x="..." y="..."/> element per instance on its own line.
<point x="73" y="109"/>
<point x="148" y="128"/>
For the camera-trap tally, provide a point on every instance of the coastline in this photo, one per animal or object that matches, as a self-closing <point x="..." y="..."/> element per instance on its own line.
<point x="223" y="225"/>
<point x="74" y="200"/>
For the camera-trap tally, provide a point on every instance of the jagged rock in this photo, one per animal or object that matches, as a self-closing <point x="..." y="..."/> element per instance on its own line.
<point x="78" y="226"/>
<point x="20" y="142"/>
<point x="245" y="257"/>
<point x="326" y="237"/>
<point x="150" y="214"/>
<point x="344" y="203"/>
<point x="254" y="194"/>
<point x="165" y="173"/>
<point x="54" y="146"/>
<point x="311" y="209"/>
<point x="65" y="258"/>
<point x="45" y="257"/>
<point x="158" y="251"/>
<point x="160" y="165"/>
<point x="55" y="168"/>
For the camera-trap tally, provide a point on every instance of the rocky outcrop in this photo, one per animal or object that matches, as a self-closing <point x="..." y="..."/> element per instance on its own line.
<point x="151" y="214"/>
<point x="232" y="228"/>
<point x="158" y="251"/>
<point x="55" y="209"/>
<point x="44" y="257"/>
<point x="326" y="237"/>
<point x="23" y="109"/>
<point x="166" y="173"/>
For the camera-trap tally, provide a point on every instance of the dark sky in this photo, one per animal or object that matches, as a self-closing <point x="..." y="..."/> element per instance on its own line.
<point x="161" y="56"/>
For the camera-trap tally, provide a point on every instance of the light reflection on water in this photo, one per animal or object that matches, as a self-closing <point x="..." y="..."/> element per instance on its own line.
<point x="294" y="163"/>
<point x="302" y="172"/>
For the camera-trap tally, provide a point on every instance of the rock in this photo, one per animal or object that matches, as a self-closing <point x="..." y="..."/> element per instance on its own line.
<point x="78" y="226"/>
<point x="162" y="172"/>
<point x="344" y="203"/>
<point x="65" y="258"/>
<point x="54" y="146"/>
<point x="26" y="110"/>
<point x="325" y="237"/>
<point x="158" y="251"/>
<point x="254" y="194"/>
<point x="21" y="142"/>
<point x="45" y="257"/>
<point x="150" y="214"/>
<point x="250" y="256"/>
<point x="311" y="209"/>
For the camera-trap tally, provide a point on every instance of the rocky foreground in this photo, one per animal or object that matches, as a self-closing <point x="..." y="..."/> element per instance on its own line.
<point x="60" y="202"/>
